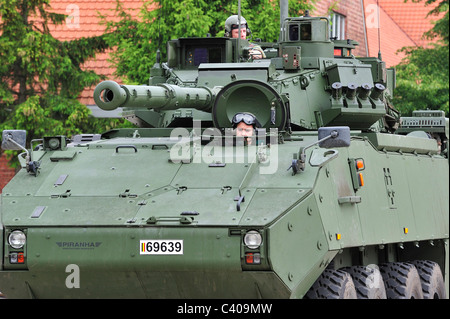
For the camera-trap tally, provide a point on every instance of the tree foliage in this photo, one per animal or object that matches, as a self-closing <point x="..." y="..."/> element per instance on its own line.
<point x="422" y="80"/>
<point x="41" y="76"/>
<point x="137" y="40"/>
<point x="423" y="75"/>
<point x="440" y="28"/>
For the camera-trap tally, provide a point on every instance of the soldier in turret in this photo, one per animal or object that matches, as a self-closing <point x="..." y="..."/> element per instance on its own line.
<point x="245" y="125"/>
<point x="232" y="31"/>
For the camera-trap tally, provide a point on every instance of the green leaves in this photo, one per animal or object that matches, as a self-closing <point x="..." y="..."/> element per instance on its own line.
<point x="40" y="76"/>
<point x="441" y="27"/>
<point x="422" y="76"/>
<point x="422" y="80"/>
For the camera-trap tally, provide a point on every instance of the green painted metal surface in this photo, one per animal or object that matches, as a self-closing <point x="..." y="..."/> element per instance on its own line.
<point x="164" y="210"/>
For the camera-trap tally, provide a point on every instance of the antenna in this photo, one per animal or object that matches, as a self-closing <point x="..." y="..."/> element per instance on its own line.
<point x="284" y="8"/>
<point x="159" y="28"/>
<point x="379" y="27"/>
<point x="238" y="58"/>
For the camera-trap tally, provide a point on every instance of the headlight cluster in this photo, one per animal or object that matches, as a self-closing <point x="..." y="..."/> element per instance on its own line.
<point x="17" y="239"/>
<point x="252" y="239"/>
<point x="16" y="250"/>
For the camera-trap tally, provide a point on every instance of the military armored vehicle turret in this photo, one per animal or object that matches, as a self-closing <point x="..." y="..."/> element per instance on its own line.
<point x="334" y="197"/>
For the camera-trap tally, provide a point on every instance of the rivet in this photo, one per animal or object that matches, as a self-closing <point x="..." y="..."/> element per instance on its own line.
<point x="319" y="245"/>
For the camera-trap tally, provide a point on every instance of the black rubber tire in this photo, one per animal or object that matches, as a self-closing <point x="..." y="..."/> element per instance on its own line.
<point x="332" y="284"/>
<point x="401" y="281"/>
<point x="368" y="282"/>
<point x="433" y="286"/>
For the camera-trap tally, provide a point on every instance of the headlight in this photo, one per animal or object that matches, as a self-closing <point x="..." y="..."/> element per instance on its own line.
<point x="17" y="239"/>
<point x="252" y="239"/>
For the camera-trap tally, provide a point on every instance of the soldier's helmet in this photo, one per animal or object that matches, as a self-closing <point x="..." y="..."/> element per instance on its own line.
<point x="232" y="23"/>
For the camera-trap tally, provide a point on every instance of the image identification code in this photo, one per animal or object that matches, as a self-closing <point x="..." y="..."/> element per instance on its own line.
<point x="161" y="247"/>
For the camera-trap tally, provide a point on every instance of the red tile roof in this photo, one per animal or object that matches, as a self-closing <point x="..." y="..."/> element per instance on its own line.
<point x="401" y="24"/>
<point x="411" y="17"/>
<point x="83" y="21"/>
<point x="83" y="16"/>
<point x="392" y="37"/>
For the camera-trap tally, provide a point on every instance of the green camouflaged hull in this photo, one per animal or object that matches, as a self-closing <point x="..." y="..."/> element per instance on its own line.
<point x="159" y="212"/>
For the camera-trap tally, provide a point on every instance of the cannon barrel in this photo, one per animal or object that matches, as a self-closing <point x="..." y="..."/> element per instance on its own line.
<point x="109" y="95"/>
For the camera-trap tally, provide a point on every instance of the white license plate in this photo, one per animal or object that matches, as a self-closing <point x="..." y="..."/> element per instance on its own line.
<point x="161" y="247"/>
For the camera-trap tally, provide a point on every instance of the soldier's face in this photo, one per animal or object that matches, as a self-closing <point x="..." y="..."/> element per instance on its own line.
<point x="243" y="129"/>
<point x="235" y="32"/>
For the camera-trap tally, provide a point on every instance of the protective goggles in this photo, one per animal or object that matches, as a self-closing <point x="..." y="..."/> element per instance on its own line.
<point x="247" y="118"/>
<point x="236" y="26"/>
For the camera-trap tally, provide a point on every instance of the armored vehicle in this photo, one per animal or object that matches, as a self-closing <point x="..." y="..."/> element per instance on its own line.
<point x="334" y="196"/>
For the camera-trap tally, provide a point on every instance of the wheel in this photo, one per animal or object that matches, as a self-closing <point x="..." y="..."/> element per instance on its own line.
<point x="401" y="281"/>
<point x="433" y="286"/>
<point x="332" y="284"/>
<point x="368" y="281"/>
